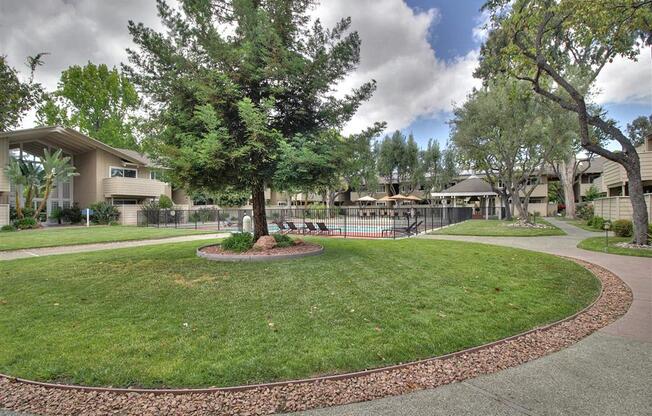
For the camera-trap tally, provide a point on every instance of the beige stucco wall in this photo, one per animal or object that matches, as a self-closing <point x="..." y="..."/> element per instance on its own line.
<point x="85" y="185"/>
<point x="4" y="214"/>
<point x="4" y="159"/>
<point x="128" y="214"/>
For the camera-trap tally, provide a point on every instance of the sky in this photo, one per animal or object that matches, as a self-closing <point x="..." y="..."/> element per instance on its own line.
<point x="422" y="54"/>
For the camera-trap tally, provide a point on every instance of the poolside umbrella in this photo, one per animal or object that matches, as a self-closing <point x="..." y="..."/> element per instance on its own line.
<point x="398" y="197"/>
<point x="385" y="199"/>
<point x="413" y="198"/>
<point x="367" y="199"/>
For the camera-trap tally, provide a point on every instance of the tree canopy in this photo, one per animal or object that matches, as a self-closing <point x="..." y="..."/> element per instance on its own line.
<point x="96" y="100"/>
<point x="560" y="47"/>
<point x="17" y="97"/>
<point x="235" y="84"/>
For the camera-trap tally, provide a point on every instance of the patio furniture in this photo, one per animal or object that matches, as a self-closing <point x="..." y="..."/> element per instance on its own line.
<point x="325" y="229"/>
<point x="294" y="228"/>
<point x="281" y="227"/>
<point x="311" y="227"/>
<point x="409" y="230"/>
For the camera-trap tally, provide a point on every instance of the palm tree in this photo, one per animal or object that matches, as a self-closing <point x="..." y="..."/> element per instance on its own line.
<point x="56" y="168"/>
<point x="15" y="172"/>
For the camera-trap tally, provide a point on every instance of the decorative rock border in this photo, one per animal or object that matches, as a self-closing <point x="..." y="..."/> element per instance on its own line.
<point x="255" y="258"/>
<point x="53" y="399"/>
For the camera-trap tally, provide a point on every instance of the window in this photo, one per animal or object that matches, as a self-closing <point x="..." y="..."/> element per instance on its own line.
<point x="532" y="180"/>
<point x="537" y="200"/>
<point x="123" y="173"/>
<point x="156" y="175"/>
<point x="124" y="202"/>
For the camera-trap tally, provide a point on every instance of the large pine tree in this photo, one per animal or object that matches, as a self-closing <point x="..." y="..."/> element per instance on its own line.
<point x="231" y="81"/>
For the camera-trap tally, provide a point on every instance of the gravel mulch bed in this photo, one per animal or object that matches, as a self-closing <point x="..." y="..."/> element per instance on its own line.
<point x="613" y="303"/>
<point x="298" y="248"/>
<point x="634" y="246"/>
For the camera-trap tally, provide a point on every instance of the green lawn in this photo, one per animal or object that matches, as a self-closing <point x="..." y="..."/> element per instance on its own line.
<point x="498" y="228"/>
<point x="579" y="223"/>
<point x="66" y="236"/>
<point x="159" y="316"/>
<point x="598" y="244"/>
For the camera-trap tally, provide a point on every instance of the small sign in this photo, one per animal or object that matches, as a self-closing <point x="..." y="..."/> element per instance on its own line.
<point x="87" y="211"/>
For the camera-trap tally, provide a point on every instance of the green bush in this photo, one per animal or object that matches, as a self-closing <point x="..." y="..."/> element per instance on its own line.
<point x="56" y="214"/>
<point x="104" y="213"/>
<point x="238" y="242"/>
<point x="7" y="228"/>
<point x="26" y="223"/>
<point x="283" y="240"/>
<point x="584" y="211"/>
<point x="164" y="202"/>
<point x="597" y="223"/>
<point x="622" y="228"/>
<point x="72" y="215"/>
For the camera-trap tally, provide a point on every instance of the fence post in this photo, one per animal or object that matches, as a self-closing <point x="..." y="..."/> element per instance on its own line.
<point x="346" y="214"/>
<point x="394" y="224"/>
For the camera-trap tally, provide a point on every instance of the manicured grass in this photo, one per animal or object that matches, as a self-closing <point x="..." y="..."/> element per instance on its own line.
<point x="498" y="228"/>
<point x="160" y="316"/>
<point x="65" y="236"/>
<point x="580" y="224"/>
<point x="598" y="244"/>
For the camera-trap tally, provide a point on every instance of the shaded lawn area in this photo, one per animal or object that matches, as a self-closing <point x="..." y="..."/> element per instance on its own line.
<point x="159" y="316"/>
<point x="580" y="224"/>
<point x="598" y="244"/>
<point x="498" y="228"/>
<point x="66" y="236"/>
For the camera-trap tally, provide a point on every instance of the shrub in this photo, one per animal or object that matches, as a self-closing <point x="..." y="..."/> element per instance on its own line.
<point x="164" y="202"/>
<point x="283" y="240"/>
<point x="584" y="211"/>
<point x="72" y="215"/>
<point x="597" y="223"/>
<point x="623" y="228"/>
<point x="56" y="214"/>
<point x="238" y="242"/>
<point x="26" y="223"/>
<point x="7" y="228"/>
<point x="104" y="213"/>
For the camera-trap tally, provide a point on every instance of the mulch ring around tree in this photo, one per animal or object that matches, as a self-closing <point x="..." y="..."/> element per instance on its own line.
<point x="613" y="302"/>
<point x="299" y="249"/>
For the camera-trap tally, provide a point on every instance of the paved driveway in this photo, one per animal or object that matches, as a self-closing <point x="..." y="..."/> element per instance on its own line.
<point x="608" y="373"/>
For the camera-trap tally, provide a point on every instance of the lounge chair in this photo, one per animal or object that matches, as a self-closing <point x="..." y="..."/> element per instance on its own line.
<point x="281" y="227"/>
<point x="294" y="228"/>
<point x="324" y="229"/>
<point x="409" y="230"/>
<point x="311" y="227"/>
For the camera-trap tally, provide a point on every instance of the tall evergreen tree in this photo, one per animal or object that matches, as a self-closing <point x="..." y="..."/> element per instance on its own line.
<point x="232" y="81"/>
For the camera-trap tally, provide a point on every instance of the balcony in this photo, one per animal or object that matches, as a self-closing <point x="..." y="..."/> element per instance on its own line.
<point x="137" y="187"/>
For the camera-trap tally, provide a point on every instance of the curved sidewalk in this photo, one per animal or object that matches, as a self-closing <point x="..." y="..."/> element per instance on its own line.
<point x="608" y="373"/>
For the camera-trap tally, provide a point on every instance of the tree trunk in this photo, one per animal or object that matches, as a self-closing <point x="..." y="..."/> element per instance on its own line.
<point x="44" y="202"/>
<point x="260" y="217"/>
<point x="639" y="208"/>
<point x="19" y="210"/>
<point x="505" y="199"/>
<point x="567" y="173"/>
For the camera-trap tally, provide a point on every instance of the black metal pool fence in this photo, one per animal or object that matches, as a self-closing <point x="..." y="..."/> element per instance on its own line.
<point x="337" y="221"/>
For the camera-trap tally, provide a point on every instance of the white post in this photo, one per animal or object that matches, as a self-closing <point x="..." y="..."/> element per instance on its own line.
<point x="486" y="207"/>
<point x="88" y="217"/>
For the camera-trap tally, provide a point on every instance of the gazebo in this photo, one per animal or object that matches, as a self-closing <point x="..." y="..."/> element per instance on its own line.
<point x="473" y="189"/>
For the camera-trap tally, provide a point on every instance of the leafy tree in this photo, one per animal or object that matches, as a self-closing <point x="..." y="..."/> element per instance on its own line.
<point x="438" y="167"/>
<point x="398" y="160"/>
<point x="592" y="194"/>
<point x="560" y="47"/>
<point x="501" y="131"/>
<point x="233" y="83"/>
<point x="639" y="129"/>
<point x="17" y="97"/>
<point x="96" y="100"/>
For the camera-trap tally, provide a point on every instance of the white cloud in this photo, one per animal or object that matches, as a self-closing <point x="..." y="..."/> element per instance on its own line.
<point x="412" y="81"/>
<point x="626" y="81"/>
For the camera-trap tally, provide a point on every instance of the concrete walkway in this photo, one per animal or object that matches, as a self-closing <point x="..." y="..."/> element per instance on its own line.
<point x="82" y="248"/>
<point x="608" y="373"/>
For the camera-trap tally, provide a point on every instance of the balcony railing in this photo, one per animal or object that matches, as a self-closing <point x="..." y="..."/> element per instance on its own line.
<point x="134" y="187"/>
